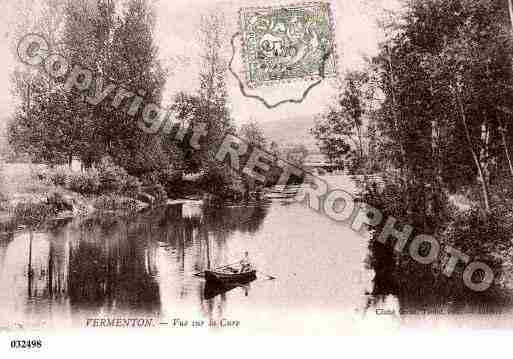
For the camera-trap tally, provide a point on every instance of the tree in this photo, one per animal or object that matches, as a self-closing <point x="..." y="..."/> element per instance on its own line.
<point x="208" y="108"/>
<point x="254" y="136"/>
<point x="52" y="130"/>
<point x="31" y="88"/>
<point x="340" y="134"/>
<point x="115" y="41"/>
<point x="133" y="61"/>
<point x="443" y="73"/>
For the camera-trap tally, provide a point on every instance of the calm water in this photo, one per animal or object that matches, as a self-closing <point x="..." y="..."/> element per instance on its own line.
<point x="143" y="266"/>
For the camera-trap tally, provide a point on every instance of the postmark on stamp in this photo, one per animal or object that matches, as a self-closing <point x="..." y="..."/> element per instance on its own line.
<point x="287" y="43"/>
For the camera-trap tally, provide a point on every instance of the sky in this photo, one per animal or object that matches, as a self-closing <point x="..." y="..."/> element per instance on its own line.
<point x="6" y="62"/>
<point x="356" y="35"/>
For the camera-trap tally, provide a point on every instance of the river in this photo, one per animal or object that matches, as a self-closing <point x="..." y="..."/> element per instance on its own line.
<point x="143" y="266"/>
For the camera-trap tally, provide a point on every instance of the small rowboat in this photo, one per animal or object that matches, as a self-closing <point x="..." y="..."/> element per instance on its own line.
<point x="225" y="277"/>
<point x="213" y="289"/>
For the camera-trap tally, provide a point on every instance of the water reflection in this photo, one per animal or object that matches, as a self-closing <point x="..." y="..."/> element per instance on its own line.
<point x="108" y="264"/>
<point x="212" y="289"/>
<point x="422" y="292"/>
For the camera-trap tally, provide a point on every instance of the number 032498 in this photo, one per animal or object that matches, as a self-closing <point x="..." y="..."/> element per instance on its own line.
<point x="26" y="344"/>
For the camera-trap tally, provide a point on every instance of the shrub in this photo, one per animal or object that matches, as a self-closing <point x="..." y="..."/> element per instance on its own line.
<point x="165" y="176"/>
<point x="3" y="201"/>
<point x="175" y="185"/>
<point x="87" y="182"/>
<point x="42" y="175"/>
<point x="149" y="179"/>
<point x="116" y="203"/>
<point x="58" y="176"/>
<point x="106" y="178"/>
<point x="238" y="189"/>
<point x="32" y="213"/>
<point x="112" y="176"/>
<point x="218" y="182"/>
<point x="480" y="236"/>
<point x="3" y="196"/>
<point x="170" y="175"/>
<point x="58" y="202"/>
<point x="131" y="186"/>
<point x="158" y="192"/>
<point x="158" y="183"/>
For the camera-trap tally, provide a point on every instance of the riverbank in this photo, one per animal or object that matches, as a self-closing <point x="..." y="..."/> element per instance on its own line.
<point x="26" y="198"/>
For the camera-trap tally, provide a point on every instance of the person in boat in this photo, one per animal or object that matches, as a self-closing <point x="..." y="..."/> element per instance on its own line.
<point x="245" y="264"/>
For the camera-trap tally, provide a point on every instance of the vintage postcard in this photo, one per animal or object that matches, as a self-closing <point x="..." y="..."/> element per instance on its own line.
<point x="180" y="173"/>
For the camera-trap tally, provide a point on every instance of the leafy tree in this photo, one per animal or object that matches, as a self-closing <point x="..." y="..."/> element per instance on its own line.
<point x="130" y="58"/>
<point x="445" y="76"/>
<point x="32" y="89"/>
<point x="340" y="134"/>
<point x="209" y="108"/>
<point x="115" y="40"/>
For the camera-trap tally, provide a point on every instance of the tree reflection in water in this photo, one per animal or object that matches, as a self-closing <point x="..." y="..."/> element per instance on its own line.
<point x="120" y="264"/>
<point x="418" y="287"/>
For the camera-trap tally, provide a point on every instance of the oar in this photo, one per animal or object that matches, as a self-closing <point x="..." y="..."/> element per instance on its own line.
<point x="270" y="277"/>
<point x="227" y="265"/>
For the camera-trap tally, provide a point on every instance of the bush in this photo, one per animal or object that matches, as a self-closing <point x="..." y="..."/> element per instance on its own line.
<point x="106" y="178"/>
<point x="218" y="181"/>
<point x="112" y="176"/>
<point x="167" y="176"/>
<point x="170" y="175"/>
<point x="158" y="192"/>
<point x="87" y="182"/>
<point x="3" y="201"/>
<point x="32" y="213"/>
<point x="57" y="176"/>
<point x="160" y="184"/>
<point x="150" y="178"/>
<point x="3" y="197"/>
<point x="238" y="189"/>
<point x="131" y="187"/>
<point x="59" y="202"/>
<point x="116" y="203"/>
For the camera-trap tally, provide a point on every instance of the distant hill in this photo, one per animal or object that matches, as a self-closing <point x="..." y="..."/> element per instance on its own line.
<point x="291" y="131"/>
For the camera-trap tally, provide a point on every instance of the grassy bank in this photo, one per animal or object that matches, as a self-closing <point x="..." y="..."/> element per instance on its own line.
<point x="31" y="194"/>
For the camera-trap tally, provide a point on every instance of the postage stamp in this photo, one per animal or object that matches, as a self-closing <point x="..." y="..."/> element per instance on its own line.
<point x="287" y="43"/>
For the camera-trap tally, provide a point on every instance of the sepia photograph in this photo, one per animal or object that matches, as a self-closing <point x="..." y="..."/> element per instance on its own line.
<point x="243" y="168"/>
